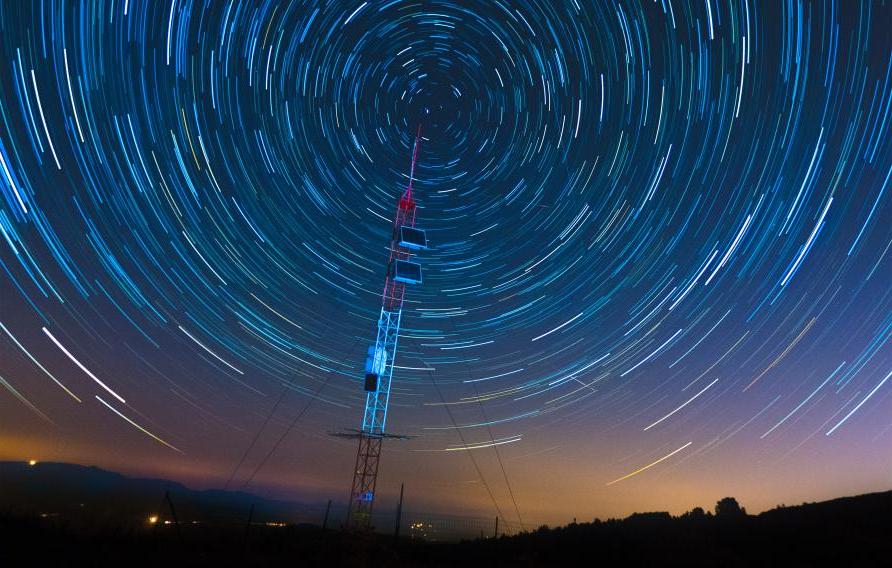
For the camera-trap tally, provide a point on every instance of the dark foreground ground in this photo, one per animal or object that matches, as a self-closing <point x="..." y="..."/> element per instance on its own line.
<point x="854" y="531"/>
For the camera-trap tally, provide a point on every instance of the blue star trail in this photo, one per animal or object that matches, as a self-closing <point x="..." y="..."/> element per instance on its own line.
<point x="660" y="234"/>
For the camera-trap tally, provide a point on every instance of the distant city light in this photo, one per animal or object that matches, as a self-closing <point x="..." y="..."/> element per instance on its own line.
<point x="153" y="519"/>
<point x="32" y="463"/>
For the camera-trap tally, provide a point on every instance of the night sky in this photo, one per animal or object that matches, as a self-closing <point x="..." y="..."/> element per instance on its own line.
<point x="661" y="263"/>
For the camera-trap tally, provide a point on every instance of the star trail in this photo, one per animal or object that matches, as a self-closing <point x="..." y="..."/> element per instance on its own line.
<point x="661" y="245"/>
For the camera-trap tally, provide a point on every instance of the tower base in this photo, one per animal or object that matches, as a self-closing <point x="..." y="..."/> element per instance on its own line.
<point x="365" y="477"/>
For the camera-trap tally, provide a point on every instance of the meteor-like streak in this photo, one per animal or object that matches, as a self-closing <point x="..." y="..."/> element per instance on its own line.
<point x="81" y="366"/>
<point x="137" y="426"/>
<point x="650" y="465"/>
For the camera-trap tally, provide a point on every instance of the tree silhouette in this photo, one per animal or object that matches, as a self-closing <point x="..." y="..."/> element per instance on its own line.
<point x="729" y="508"/>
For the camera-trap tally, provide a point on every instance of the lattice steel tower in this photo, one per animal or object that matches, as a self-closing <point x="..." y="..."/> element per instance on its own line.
<point x="405" y="239"/>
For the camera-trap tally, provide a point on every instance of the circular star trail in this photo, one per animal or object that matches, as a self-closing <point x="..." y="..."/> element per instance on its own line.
<point x="660" y="236"/>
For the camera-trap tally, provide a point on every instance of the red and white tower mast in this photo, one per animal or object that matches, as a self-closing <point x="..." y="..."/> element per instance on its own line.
<point x="405" y="240"/>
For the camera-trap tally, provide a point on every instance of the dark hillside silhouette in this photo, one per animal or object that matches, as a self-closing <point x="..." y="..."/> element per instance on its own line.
<point x="91" y="494"/>
<point x="850" y="531"/>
